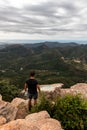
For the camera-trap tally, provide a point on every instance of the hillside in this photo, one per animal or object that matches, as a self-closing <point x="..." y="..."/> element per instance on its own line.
<point x="53" y="63"/>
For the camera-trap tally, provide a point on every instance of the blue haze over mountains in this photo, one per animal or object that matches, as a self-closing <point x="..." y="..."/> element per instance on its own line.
<point x="40" y="41"/>
<point x="36" y="43"/>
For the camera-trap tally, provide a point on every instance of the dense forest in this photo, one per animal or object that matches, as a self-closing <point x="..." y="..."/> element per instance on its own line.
<point x="53" y="62"/>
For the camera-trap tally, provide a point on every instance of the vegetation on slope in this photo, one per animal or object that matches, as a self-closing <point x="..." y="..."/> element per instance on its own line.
<point x="65" y="64"/>
<point x="71" y="111"/>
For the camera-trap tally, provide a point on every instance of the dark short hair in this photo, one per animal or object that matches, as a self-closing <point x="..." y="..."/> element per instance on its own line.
<point x="32" y="73"/>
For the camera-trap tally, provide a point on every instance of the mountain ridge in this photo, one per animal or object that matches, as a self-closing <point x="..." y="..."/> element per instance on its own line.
<point x="34" y="45"/>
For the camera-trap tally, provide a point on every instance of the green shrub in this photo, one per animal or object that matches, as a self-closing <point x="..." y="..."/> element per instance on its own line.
<point x="72" y="112"/>
<point x="7" y="90"/>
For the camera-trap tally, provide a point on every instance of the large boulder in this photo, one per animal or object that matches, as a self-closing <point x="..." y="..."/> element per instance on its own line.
<point x="79" y="88"/>
<point x="19" y="124"/>
<point x="35" y="121"/>
<point x="2" y="104"/>
<point x="17" y="109"/>
<point x="22" y="106"/>
<point x="51" y="124"/>
<point x="37" y="116"/>
<point x="43" y="121"/>
<point x="7" y="110"/>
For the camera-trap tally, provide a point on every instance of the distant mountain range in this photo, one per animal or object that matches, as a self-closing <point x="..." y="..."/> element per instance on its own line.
<point x="67" y="50"/>
<point x="49" y="44"/>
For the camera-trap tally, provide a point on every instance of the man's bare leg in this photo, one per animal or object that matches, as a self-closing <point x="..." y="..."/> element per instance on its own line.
<point x="35" y="101"/>
<point x="29" y="104"/>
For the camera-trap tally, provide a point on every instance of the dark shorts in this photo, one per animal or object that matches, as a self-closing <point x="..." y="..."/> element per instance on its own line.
<point x="34" y="96"/>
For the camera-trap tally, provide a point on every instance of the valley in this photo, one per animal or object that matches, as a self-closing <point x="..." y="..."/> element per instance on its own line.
<point x="53" y="62"/>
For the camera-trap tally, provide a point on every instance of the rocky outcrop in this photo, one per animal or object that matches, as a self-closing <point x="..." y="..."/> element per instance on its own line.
<point x="79" y="88"/>
<point x="22" y="107"/>
<point x="43" y="121"/>
<point x="15" y="116"/>
<point x="19" y="124"/>
<point x="36" y="121"/>
<point x="37" y="116"/>
<point x="17" y="109"/>
<point x="7" y="110"/>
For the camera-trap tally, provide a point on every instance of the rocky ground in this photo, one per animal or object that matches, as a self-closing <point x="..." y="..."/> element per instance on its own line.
<point x="15" y="116"/>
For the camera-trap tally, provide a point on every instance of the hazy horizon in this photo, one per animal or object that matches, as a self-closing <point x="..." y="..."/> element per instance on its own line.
<point x="26" y="41"/>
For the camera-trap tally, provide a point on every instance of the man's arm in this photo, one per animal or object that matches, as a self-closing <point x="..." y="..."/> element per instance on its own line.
<point x="25" y="87"/>
<point x="38" y="87"/>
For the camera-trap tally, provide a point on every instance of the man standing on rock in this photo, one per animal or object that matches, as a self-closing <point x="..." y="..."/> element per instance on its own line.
<point x="33" y="88"/>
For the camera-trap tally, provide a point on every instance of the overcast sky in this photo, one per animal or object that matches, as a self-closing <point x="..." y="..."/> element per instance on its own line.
<point x="43" y="19"/>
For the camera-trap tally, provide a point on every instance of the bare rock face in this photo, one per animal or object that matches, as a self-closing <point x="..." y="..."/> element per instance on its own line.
<point x="2" y="120"/>
<point x="7" y="111"/>
<point x="79" y="88"/>
<point x="17" y="109"/>
<point x="19" y="124"/>
<point x="37" y="116"/>
<point x="43" y="121"/>
<point x="22" y="106"/>
<point x="35" y="121"/>
<point x="2" y="104"/>
<point x="17" y="101"/>
<point x="51" y="124"/>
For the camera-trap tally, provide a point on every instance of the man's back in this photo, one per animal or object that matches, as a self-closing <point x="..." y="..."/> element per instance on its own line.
<point x="32" y="86"/>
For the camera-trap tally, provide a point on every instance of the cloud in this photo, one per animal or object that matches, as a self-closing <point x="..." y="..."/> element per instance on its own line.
<point x="45" y="18"/>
